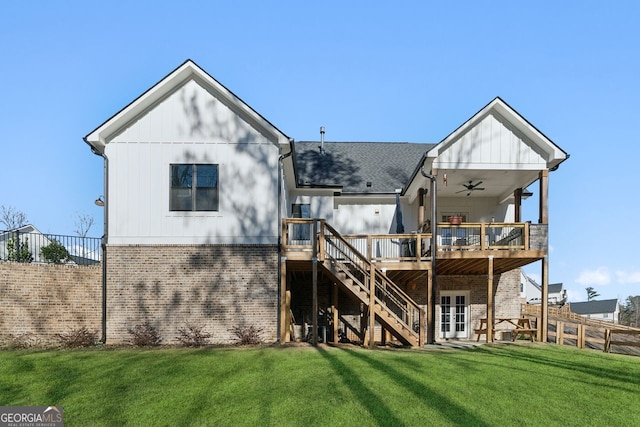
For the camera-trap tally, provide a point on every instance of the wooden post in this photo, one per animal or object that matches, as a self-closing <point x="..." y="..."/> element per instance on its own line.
<point x="544" y="306"/>
<point x="560" y="333"/>
<point x="490" y="300"/>
<point x="518" y="205"/>
<point x="314" y="284"/>
<point x="283" y="300"/>
<point x="287" y="317"/>
<point x="335" y="314"/>
<point x="372" y="301"/>
<point x="544" y="197"/>
<point x="420" y="207"/>
<point x="430" y="303"/>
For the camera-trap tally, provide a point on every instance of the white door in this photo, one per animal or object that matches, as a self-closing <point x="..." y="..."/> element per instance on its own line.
<point x="454" y="315"/>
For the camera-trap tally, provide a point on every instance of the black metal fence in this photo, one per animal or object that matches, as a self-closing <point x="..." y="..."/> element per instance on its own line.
<point x="32" y="246"/>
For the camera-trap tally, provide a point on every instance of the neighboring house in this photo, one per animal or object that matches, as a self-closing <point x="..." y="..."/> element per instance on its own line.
<point x="210" y="210"/>
<point x="607" y="310"/>
<point x="531" y="292"/>
<point x="30" y="238"/>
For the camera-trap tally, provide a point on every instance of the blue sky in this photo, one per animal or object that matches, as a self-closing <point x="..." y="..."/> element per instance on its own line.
<point x="366" y="70"/>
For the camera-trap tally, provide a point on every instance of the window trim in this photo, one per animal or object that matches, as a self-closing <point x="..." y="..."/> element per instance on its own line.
<point x="194" y="188"/>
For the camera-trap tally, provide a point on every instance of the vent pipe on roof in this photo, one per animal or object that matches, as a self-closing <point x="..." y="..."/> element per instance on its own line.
<point x="321" y="139"/>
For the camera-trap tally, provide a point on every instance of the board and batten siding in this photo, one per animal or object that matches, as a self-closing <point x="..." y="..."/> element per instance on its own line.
<point x="192" y="126"/>
<point x="491" y="144"/>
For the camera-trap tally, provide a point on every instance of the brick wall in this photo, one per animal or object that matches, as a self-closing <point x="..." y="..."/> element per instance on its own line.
<point x="42" y="300"/>
<point x="215" y="287"/>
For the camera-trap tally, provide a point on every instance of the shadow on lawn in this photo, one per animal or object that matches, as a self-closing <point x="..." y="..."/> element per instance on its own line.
<point x="378" y="409"/>
<point x="615" y="378"/>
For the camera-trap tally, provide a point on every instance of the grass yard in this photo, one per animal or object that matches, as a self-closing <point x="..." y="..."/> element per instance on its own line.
<point x="491" y="385"/>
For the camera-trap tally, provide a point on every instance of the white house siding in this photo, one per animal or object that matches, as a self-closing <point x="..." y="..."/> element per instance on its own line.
<point x="191" y="126"/>
<point x="491" y="144"/>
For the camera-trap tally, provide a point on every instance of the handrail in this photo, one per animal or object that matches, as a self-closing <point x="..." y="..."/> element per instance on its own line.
<point x="387" y="294"/>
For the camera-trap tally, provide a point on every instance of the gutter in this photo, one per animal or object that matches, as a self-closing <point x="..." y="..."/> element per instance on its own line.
<point x="280" y="184"/>
<point x="105" y="239"/>
<point x="434" y="249"/>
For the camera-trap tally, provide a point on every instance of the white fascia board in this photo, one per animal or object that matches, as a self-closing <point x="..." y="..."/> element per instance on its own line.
<point x="187" y="71"/>
<point x="554" y="154"/>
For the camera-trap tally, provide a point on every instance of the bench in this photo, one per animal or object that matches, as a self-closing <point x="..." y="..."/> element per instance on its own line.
<point x="532" y="333"/>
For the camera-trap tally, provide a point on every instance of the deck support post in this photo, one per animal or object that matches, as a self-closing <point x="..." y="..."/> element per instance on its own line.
<point x="314" y="285"/>
<point x="544" y="309"/>
<point x="372" y="301"/>
<point x="490" y="300"/>
<point x="283" y="300"/>
<point x="430" y="303"/>
<point x="335" y="314"/>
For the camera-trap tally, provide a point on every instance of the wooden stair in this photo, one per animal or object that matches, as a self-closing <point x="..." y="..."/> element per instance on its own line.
<point x="393" y="308"/>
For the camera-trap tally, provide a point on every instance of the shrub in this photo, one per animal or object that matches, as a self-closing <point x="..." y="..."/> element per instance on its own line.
<point x="145" y="335"/>
<point x="55" y="253"/>
<point x="18" y="251"/>
<point x="81" y="337"/>
<point x="21" y="341"/>
<point x="247" y="335"/>
<point x="193" y="336"/>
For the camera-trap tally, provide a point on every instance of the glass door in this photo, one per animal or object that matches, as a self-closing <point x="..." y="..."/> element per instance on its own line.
<point x="454" y="315"/>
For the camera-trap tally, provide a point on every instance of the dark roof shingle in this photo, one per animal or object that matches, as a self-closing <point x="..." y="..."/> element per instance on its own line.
<point x="386" y="165"/>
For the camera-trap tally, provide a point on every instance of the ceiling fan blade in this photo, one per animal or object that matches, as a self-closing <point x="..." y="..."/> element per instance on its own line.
<point x="476" y="188"/>
<point x="461" y="191"/>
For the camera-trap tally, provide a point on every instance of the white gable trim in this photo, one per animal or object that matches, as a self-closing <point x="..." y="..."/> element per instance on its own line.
<point x="185" y="72"/>
<point x="549" y="152"/>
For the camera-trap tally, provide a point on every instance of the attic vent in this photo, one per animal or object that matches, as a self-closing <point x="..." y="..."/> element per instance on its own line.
<point x="368" y="183"/>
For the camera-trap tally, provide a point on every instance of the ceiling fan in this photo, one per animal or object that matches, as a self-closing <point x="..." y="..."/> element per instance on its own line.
<point x="470" y="187"/>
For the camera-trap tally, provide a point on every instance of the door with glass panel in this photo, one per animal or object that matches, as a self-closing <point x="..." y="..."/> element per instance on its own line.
<point x="454" y="315"/>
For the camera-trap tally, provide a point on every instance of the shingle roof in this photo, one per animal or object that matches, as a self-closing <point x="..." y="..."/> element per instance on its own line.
<point x="594" y="307"/>
<point x="386" y="165"/>
<point x="555" y="288"/>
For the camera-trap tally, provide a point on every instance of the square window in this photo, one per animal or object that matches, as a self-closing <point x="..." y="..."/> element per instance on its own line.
<point x="194" y="187"/>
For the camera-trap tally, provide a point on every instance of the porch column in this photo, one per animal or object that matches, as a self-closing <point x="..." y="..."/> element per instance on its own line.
<point x="490" y="300"/>
<point x="544" y="197"/>
<point x="518" y="205"/>
<point x="420" y="207"/>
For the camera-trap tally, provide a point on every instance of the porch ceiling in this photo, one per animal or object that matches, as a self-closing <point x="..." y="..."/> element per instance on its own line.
<point x="496" y="183"/>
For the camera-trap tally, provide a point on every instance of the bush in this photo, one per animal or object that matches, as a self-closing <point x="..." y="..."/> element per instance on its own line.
<point x="247" y="335"/>
<point x="22" y="341"/>
<point x="81" y="337"/>
<point x="145" y="335"/>
<point x="18" y="251"/>
<point x="55" y="253"/>
<point x="193" y="336"/>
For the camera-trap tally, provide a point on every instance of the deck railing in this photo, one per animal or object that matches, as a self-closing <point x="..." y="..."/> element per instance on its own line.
<point x="404" y="247"/>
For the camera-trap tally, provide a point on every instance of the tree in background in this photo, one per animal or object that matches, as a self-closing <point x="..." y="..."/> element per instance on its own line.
<point x="83" y="224"/>
<point x="630" y="311"/>
<point x="591" y="293"/>
<point x="12" y="218"/>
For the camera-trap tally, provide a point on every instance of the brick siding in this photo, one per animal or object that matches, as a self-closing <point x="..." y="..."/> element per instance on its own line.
<point x="41" y="300"/>
<point x="215" y="287"/>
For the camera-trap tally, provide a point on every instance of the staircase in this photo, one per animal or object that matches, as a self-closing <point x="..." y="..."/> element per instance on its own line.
<point x="354" y="273"/>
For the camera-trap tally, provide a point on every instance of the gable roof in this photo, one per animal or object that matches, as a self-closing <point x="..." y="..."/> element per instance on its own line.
<point x="351" y="165"/>
<point x="555" y="288"/>
<point x="594" y="307"/>
<point x="189" y="70"/>
<point x="553" y="154"/>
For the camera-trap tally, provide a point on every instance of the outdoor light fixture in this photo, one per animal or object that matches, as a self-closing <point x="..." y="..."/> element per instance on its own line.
<point x="526" y="194"/>
<point x="99" y="201"/>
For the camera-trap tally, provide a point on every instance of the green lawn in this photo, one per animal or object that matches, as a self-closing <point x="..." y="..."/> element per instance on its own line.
<point x="502" y="384"/>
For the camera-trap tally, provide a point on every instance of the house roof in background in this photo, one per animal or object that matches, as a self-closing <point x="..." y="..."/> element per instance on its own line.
<point x="555" y="288"/>
<point x="594" y="307"/>
<point x="386" y="165"/>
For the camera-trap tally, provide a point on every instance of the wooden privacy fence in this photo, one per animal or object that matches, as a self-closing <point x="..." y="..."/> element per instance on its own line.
<point x="567" y="328"/>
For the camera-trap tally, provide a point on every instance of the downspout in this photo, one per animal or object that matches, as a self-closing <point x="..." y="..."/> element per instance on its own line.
<point x="434" y="249"/>
<point x="103" y="244"/>
<point x="280" y="159"/>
